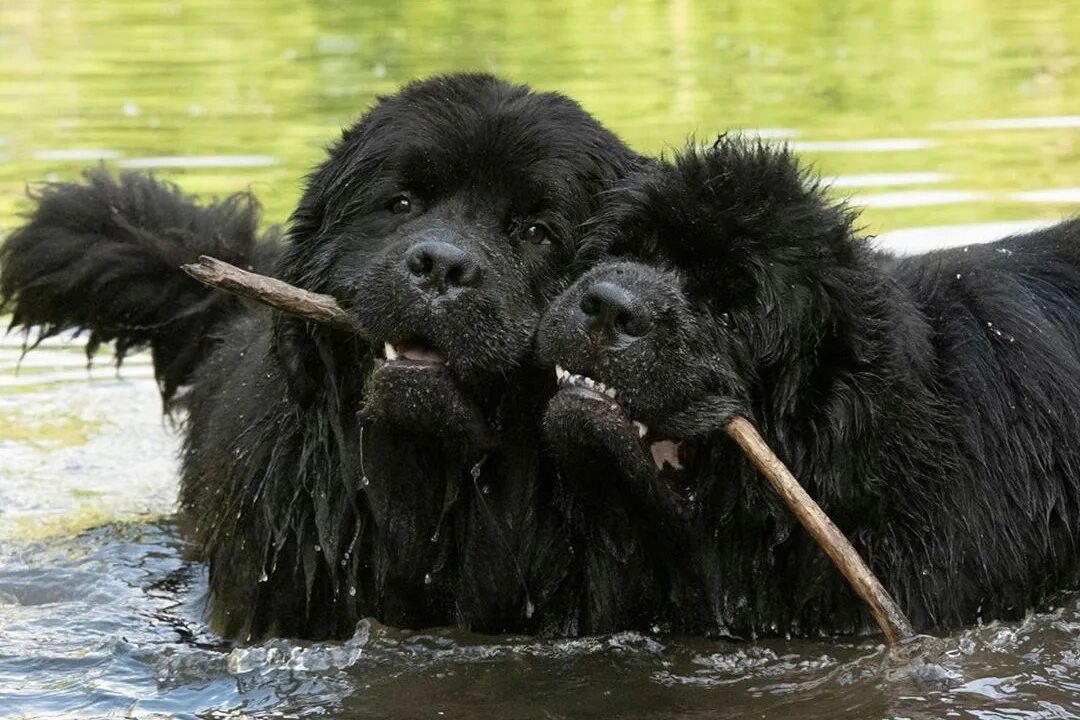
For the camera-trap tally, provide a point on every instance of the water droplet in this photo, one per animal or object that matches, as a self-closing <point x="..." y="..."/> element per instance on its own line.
<point x="318" y="548"/>
<point x="352" y="591"/>
<point x="529" y="609"/>
<point x="364" y="481"/>
<point x="264" y="577"/>
<point x="427" y="579"/>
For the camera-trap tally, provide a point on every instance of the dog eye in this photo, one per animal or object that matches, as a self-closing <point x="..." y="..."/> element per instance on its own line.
<point x="400" y="205"/>
<point x="537" y="234"/>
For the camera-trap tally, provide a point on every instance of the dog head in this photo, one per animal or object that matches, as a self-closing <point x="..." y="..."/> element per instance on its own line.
<point x="444" y="221"/>
<point x="726" y="272"/>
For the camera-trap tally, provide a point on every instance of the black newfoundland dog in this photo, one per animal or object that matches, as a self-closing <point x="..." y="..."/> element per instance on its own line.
<point x="396" y="473"/>
<point x="930" y="404"/>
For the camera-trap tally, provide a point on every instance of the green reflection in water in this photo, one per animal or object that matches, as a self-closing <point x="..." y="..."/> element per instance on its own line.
<point x="278" y="79"/>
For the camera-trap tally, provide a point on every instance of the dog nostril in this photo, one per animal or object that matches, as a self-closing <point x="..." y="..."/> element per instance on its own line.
<point x="590" y="304"/>
<point x="419" y="262"/>
<point x="635" y="323"/>
<point x="464" y="273"/>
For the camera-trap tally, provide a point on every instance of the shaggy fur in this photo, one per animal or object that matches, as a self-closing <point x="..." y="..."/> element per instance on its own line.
<point x="102" y="256"/>
<point x="930" y="404"/>
<point x="324" y="481"/>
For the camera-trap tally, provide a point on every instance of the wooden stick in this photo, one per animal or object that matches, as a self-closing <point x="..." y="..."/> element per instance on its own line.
<point x="324" y="309"/>
<point x="275" y="293"/>
<point x="894" y="624"/>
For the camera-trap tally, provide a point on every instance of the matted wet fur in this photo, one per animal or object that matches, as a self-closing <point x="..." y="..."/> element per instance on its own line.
<point x="396" y="473"/>
<point x="930" y="404"/>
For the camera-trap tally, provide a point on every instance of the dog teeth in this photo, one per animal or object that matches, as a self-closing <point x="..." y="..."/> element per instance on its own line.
<point x="565" y="377"/>
<point x="390" y="352"/>
<point x="642" y="428"/>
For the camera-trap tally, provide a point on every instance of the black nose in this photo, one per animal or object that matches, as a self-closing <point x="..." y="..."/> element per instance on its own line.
<point x="615" y="311"/>
<point x="441" y="266"/>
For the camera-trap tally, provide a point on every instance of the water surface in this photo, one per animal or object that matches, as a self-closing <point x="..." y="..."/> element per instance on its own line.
<point x="949" y="122"/>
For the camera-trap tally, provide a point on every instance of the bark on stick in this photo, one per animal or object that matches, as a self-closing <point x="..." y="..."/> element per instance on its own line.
<point x="270" y="291"/>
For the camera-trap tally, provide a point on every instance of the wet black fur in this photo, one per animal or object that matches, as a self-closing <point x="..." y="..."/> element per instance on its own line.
<point x="323" y="486"/>
<point x="930" y="404"/>
<point x="102" y="256"/>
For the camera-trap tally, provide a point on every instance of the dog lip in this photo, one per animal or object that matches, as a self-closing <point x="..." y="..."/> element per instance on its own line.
<point x="665" y="452"/>
<point x="413" y="351"/>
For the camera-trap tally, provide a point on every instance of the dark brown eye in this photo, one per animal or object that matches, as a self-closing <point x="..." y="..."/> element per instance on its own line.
<point x="400" y="205"/>
<point x="537" y="234"/>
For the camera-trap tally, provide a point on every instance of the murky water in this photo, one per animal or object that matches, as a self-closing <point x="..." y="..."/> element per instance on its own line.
<point x="949" y="122"/>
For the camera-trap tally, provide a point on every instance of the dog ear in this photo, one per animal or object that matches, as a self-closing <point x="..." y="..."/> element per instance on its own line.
<point x="295" y="344"/>
<point x="303" y="349"/>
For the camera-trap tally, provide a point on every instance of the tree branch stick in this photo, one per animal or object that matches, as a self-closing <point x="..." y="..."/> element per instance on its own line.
<point x="316" y="307"/>
<point x="894" y="624"/>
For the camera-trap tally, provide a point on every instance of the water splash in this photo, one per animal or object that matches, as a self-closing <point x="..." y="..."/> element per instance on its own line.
<point x="283" y="655"/>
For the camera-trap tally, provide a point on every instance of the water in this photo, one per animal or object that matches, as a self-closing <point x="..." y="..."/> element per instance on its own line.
<point x="949" y="122"/>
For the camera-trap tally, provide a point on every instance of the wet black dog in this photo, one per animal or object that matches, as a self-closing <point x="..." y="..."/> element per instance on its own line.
<point x="930" y="404"/>
<point x="396" y="473"/>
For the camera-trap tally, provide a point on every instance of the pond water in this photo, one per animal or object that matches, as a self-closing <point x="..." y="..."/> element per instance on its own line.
<point x="950" y="122"/>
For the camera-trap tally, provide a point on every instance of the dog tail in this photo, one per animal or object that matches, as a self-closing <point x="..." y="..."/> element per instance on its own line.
<point x="104" y="256"/>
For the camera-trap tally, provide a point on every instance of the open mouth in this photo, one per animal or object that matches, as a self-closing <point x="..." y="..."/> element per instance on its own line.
<point x="414" y="350"/>
<point x="671" y="456"/>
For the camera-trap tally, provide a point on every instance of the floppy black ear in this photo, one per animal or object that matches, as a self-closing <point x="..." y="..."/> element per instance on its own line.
<point x="308" y="257"/>
<point x="294" y="343"/>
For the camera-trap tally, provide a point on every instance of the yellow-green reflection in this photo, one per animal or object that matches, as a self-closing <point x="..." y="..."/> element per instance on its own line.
<point x="277" y="79"/>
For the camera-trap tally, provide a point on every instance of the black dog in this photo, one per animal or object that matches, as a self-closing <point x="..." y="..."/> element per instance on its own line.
<point x="396" y="473"/>
<point x="931" y="405"/>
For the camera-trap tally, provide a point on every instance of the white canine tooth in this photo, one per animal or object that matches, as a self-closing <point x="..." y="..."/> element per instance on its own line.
<point x="390" y="352"/>
<point x="642" y="428"/>
<point x="610" y="392"/>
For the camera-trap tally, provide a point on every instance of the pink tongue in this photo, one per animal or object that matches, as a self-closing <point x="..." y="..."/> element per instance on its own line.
<point x="666" y="452"/>
<point x="425" y="356"/>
